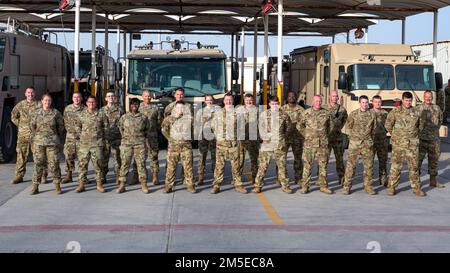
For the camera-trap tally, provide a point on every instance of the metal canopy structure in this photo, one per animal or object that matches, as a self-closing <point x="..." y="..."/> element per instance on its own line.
<point x="223" y="16"/>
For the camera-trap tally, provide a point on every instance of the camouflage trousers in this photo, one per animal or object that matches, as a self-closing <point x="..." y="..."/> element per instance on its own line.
<point x="183" y="154"/>
<point x="407" y="150"/>
<point x="252" y="147"/>
<point x="433" y="149"/>
<point x="365" y="150"/>
<point x="85" y="154"/>
<point x="297" y="150"/>
<point x="152" y="152"/>
<point x="23" y="149"/>
<point x="232" y="154"/>
<point x="203" y="147"/>
<point x="309" y="154"/>
<point x="46" y="156"/>
<point x="338" y="148"/>
<point x="264" y="160"/>
<point x="381" y="150"/>
<point x="71" y="148"/>
<point x="127" y="152"/>
<point x="111" y="149"/>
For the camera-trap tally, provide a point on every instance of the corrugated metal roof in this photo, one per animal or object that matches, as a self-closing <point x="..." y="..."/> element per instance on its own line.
<point x="226" y="16"/>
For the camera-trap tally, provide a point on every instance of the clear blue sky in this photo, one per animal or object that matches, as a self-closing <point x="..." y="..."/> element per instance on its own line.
<point x="419" y="29"/>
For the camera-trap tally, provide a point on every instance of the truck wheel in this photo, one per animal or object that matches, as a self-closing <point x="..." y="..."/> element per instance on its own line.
<point x="8" y="135"/>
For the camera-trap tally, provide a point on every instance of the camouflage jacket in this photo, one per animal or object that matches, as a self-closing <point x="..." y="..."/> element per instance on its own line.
<point x="380" y="130"/>
<point x="154" y="116"/>
<point x="294" y="114"/>
<point x="170" y="106"/>
<point x="203" y="119"/>
<point x="247" y="123"/>
<point x="178" y="131"/>
<point x="224" y="127"/>
<point x="113" y="114"/>
<point x="71" y="121"/>
<point x="273" y="127"/>
<point x="47" y="127"/>
<point x="93" y="127"/>
<point x="432" y="117"/>
<point x="134" y="128"/>
<point x="22" y="115"/>
<point x="315" y="125"/>
<point x="361" y="126"/>
<point x="338" y="118"/>
<point x="404" y="125"/>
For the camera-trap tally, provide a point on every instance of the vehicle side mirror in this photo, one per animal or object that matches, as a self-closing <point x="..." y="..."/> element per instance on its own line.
<point x="235" y="71"/>
<point x="439" y="81"/>
<point x="342" y="81"/>
<point x="119" y="68"/>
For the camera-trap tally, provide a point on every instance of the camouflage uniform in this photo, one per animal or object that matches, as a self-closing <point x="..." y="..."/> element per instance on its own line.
<point x="404" y="126"/>
<point x="248" y="138"/>
<point x="207" y="141"/>
<point x="272" y="129"/>
<point x="338" y="117"/>
<point x="92" y="143"/>
<point x="153" y="114"/>
<point x="134" y="129"/>
<point x="112" y="139"/>
<point x="429" y="137"/>
<point x="447" y="103"/>
<point x="178" y="131"/>
<point x="224" y="125"/>
<point x="294" y="139"/>
<point x="71" y="146"/>
<point x="381" y="144"/>
<point x="47" y="128"/>
<point x="22" y="115"/>
<point x="361" y="126"/>
<point x="315" y="126"/>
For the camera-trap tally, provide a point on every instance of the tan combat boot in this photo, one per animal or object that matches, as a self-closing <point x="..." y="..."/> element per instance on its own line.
<point x="80" y="187"/>
<point x="391" y="191"/>
<point x="144" y="187"/>
<point x="168" y="189"/>
<point x="346" y="191"/>
<point x="58" y="188"/>
<point x="434" y="183"/>
<point x="155" y="178"/>
<point x="100" y="187"/>
<point x="370" y="190"/>
<point x="44" y="177"/>
<point x="326" y="190"/>
<point x="215" y="189"/>
<point x="200" y="181"/>
<point x="17" y="180"/>
<point x="191" y="188"/>
<point x="287" y="189"/>
<point x="257" y="189"/>
<point x="298" y="182"/>
<point x="418" y="192"/>
<point x="35" y="189"/>
<point x="240" y="189"/>
<point x="304" y="190"/>
<point x="121" y="187"/>
<point x="67" y="178"/>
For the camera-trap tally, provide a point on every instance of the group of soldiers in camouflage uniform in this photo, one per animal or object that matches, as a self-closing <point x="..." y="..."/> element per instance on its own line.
<point x="228" y="133"/>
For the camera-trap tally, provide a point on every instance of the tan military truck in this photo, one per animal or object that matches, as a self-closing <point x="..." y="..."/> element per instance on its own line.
<point x="361" y="69"/>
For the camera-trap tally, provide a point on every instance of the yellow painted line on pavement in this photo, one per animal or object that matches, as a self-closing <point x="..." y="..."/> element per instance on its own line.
<point x="270" y="210"/>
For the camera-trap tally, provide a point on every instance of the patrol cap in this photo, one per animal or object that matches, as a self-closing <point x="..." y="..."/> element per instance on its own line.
<point x="135" y="101"/>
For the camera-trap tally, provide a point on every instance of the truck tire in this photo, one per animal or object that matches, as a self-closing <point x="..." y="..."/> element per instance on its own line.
<point x="8" y="136"/>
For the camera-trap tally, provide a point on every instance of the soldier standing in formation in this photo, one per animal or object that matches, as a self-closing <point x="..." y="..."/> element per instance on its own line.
<point x="361" y="125"/>
<point x="404" y="124"/>
<point x="177" y="128"/>
<point x="47" y="128"/>
<point x="248" y="135"/>
<point x="112" y="134"/>
<point x="93" y="125"/>
<point x="447" y="102"/>
<point x="380" y="140"/>
<point x="294" y="139"/>
<point x="135" y="129"/>
<point x="22" y="115"/>
<point x="273" y="125"/>
<point x="207" y="141"/>
<point x="224" y="125"/>
<point x="72" y="114"/>
<point x="429" y="137"/>
<point x="338" y="118"/>
<point x="315" y="125"/>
